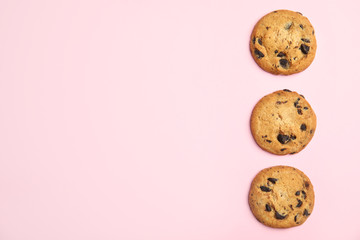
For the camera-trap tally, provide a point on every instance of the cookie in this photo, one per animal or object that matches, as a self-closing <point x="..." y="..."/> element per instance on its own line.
<point x="281" y="197"/>
<point x="283" y="42"/>
<point x="283" y="122"/>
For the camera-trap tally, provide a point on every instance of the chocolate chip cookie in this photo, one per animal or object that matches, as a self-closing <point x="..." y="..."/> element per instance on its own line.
<point x="281" y="197"/>
<point x="283" y="42"/>
<point x="283" y="122"/>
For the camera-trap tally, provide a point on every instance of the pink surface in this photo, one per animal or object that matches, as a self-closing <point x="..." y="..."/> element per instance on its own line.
<point x="130" y="120"/>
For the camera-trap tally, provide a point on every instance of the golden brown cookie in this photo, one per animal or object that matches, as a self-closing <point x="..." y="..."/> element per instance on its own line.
<point x="281" y="197"/>
<point x="283" y="122"/>
<point x="283" y="42"/>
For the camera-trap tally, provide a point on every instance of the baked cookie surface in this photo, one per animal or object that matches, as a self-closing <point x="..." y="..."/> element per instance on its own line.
<point x="283" y="42"/>
<point x="283" y="122"/>
<point x="281" y="197"/>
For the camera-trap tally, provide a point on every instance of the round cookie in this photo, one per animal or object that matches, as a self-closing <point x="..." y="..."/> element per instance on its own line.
<point x="283" y="122"/>
<point x="281" y="197"/>
<point x="283" y="42"/>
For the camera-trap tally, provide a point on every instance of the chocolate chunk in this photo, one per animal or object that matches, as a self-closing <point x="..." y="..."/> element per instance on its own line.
<point x="305" y="40"/>
<point x="297" y="193"/>
<point x="265" y="189"/>
<point x="299" y="203"/>
<point x="279" y="216"/>
<point x="269" y="141"/>
<point x="288" y="26"/>
<point x="283" y="149"/>
<point x="267" y="208"/>
<point x="306" y="213"/>
<point x="284" y="63"/>
<point x="304" y="48"/>
<point x="286" y="90"/>
<point x="273" y="180"/>
<point x="281" y="54"/>
<point x="303" y="127"/>
<point x="299" y="111"/>
<point x="302" y="27"/>
<point x="253" y="40"/>
<point x="283" y="139"/>
<point x="304" y="194"/>
<point x="306" y="108"/>
<point x="276" y="51"/>
<point x="259" y="41"/>
<point x="258" y="54"/>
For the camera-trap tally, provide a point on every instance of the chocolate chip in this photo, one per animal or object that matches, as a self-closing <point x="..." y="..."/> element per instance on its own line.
<point x="295" y="218"/>
<point x="313" y="32"/>
<point x="259" y="41"/>
<point x="288" y="26"/>
<point x="296" y="102"/>
<point x="267" y="28"/>
<point x="281" y="54"/>
<point x="276" y="51"/>
<point x="293" y="137"/>
<point x="291" y="207"/>
<point x="304" y="194"/>
<point x="307" y="184"/>
<point x="283" y="139"/>
<point x="265" y="189"/>
<point x="293" y="153"/>
<point x="283" y="149"/>
<point x="302" y="96"/>
<point x="305" y="40"/>
<point x="299" y="203"/>
<point x="286" y="90"/>
<point x="303" y="127"/>
<point x="311" y="131"/>
<point x="267" y="208"/>
<point x="302" y="27"/>
<point x="279" y="216"/>
<point x="306" y="213"/>
<point x="269" y="141"/>
<point x="265" y="136"/>
<point x="284" y="63"/>
<point x="258" y="54"/>
<point x="299" y="111"/>
<point x="253" y="40"/>
<point x="306" y="108"/>
<point x="273" y="180"/>
<point x="304" y="48"/>
<point x="299" y="13"/>
<point x="297" y="193"/>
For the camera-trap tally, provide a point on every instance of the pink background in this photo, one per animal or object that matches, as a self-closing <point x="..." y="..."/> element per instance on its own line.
<point x="130" y="120"/>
